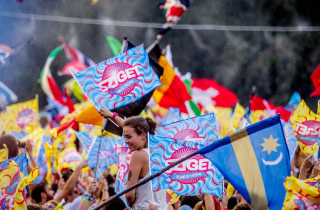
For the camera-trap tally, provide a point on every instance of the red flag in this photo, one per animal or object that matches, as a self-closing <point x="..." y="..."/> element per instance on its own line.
<point x="69" y="101"/>
<point x="66" y="125"/>
<point x="208" y="91"/>
<point x="259" y="103"/>
<point x="285" y="114"/>
<point x="73" y="66"/>
<point x="315" y="78"/>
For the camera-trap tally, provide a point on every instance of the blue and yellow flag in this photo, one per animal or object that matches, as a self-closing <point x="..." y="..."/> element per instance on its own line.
<point x="256" y="161"/>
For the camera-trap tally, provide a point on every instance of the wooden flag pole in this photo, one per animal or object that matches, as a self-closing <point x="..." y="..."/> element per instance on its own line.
<point x="145" y="180"/>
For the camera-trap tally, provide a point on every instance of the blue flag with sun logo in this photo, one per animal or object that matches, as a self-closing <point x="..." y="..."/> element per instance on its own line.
<point x="120" y="80"/>
<point x="256" y="161"/>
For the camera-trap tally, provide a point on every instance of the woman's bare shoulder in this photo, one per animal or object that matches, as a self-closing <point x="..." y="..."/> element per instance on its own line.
<point x="139" y="156"/>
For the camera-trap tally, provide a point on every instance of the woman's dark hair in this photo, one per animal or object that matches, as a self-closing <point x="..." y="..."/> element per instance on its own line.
<point x="11" y="144"/>
<point x="140" y="124"/>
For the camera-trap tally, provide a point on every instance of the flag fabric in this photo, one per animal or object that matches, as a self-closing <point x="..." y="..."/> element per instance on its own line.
<point x="291" y="140"/>
<point x="294" y="101"/>
<point x="258" y="103"/>
<point x="208" y="91"/>
<point x="194" y="176"/>
<point x="3" y="154"/>
<point x="256" y="161"/>
<point x="74" y="67"/>
<point x="42" y="160"/>
<point x="69" y="158"/>
<point x="7" y="97"/>
<point x="256" y="116"/>
<point x="192" y="107"/>
<point x="92" y="129"/>
<point x="203" y="128"/>
<point x="172" y="116"/>
<point x="302" y="194"/>
<point x="315" y="78"/>
<point x="18" y="134"/>
<point x="174" y="9"/>
<point x="72" y="86"/>
<point x="75" y="54"/>
<point x="172" y="197"/>
<point x="9" y="180"/>
<point x="119" y="80"/>
<point x="5" y="52"/>
<point x="20" y="196"/>
<point x="306" y="124"/>
<point x="35" y="138"/>
<point x="23" y="116"/>
<point x="238" y="114"/>
<point x="49" y="86"/>
<point x="114" y="45"/>
<point x="22" y="162"/>
<point x="173" y="92"/>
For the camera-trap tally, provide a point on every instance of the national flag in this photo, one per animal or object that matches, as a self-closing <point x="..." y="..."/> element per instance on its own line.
<point x="119" y="80"/>
<point x="196" y="175"/>
<point x="255" y="160"/>
<point x="74" y="67"/>
<point x="49" y="86"/>
<point x="291" y="140"/>
<point x="20" y="196"/>
<point x="9" y="180"/>
<point x="203" y="128"/>
<point x="302" y="194"/>
<point x="69" y="101"/>
<point x="208" y="91"/>
<point x="7" y="97"/>
<point x="315" y="78"/>
<point x="258" y="103"/>
<point x="173" y="92"/>
<point x="174" y="9"/>
<point x="172" y="116"/>
<point x="23" y="116"/>
<point x="114" y="45"/>
<point x="35" y="138"/>
<point x="75" y="54"/>
<point x="306" y="125"/>
<point x="192" y="107"/>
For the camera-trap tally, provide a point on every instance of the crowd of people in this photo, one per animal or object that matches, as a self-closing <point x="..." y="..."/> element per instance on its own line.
<point x="62" y="192"/>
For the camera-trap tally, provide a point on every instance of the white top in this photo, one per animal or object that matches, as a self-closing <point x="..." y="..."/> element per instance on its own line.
<point x="144" y="194"/>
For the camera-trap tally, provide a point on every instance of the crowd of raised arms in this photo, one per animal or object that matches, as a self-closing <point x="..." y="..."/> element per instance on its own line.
<point x="61" y="192"/>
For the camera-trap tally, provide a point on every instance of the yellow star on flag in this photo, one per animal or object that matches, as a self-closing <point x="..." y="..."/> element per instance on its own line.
<point x="270" y="144"/>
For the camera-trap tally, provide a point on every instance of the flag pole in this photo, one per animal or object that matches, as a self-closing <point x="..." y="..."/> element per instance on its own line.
<point x="144" y="180"/>
<point x="159" y="37"/>
<point x="104" y="124"/>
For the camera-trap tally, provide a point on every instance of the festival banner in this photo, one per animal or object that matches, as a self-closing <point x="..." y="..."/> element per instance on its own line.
<point x="238" y="114"/>
<point x="291" y="140"/>
<point x="3" y="154"/>
<point x="35" y="138"/>
<point x="23" y="116"/>
<point x="9" y="179"/>
<point x="196" y="175"/>
<point x="120" y="80"/>
<point x="42" y="159"/>
<point x="69" y="158"/>
<point x="22" y="162"/>
<point x="302" y="194"/>
<point x="203" y="128"/>
<point x="172" y="116"/>
<point x="306" y="124"/>
<point x="18" y="134"/>
<point x="257" y="116"/>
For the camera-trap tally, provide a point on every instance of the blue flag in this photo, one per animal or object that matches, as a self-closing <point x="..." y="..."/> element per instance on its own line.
<point x="172" y="116"/>
<point x="194" y="176"/>
<point x="18" y="134"/>
<point x="292" y="142"/>
<point x="203" y="128"/>
<point x="256" y="161"/>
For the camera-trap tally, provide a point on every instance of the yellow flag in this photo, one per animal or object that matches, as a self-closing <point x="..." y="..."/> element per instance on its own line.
<point x="3" y="154"/>
<point x="69" y="158"/>
<point x="230" y="190"/>
<point x="174" y="197"/>
<point x="90" y="115"/>
<point x="306" y="125"/>
<point x="23" y="116"/>
<point x="302" y="194"/>
<point x="35" y="138"/>
<point x="49" y="153"/>
<point x="239" y="112"/>
<point x="92" y="129"/>
<point x="9" y="179"/>
<point x="78" y="109"/>
<point x="20" y="200"/>
<point x="257" y="116"/>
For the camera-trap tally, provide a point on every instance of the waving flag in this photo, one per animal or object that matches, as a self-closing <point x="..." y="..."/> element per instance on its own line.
<point x="238" y="114"/>
<point x="22" y="162"/>
<point x="3" y="154"/>
<point x="7" y="97"/>
<point x="306" y="124"/>
<point x="19" y="134"/>
<point x="208" y="91"/>
<point x="35" y="138"/>
<point x="74" y="67"/>
<point x="9" y="180"/>
<point x="257" y="116"/>
<point x="194" y="176"/>
<point x="203" y="128"/>
<point x="69" y="158"/>
<point x="294" y="101"/>
<point x="114" y="45"/>
<point x="302" y="194"/>
<point x="290" y="139"/>
<point x="23" y="116"/>
<point x="172" y="116"/>
<point x="249" y="157"/>
<point x="42" y="159"/>
<point x="119" y="80"/>
<point x="49" y="86"/>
